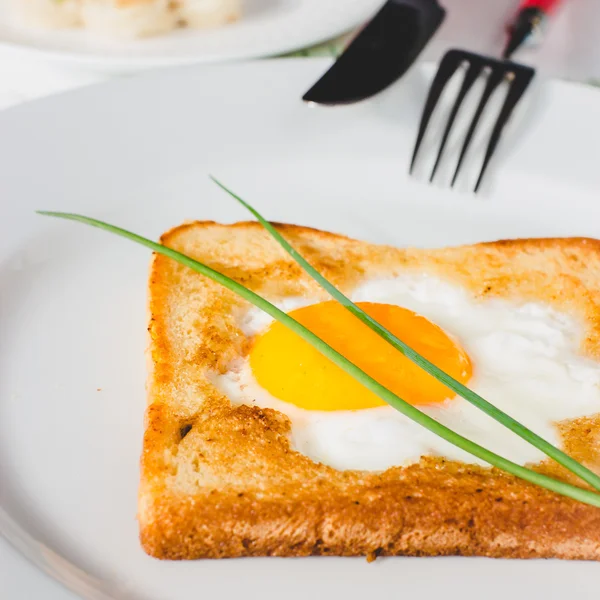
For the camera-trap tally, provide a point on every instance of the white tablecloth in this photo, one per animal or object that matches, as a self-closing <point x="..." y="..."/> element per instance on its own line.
<point x="571" y="50"/>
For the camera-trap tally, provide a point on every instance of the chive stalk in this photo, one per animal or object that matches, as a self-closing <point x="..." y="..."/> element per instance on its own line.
<point x="456" y="386"/>
<point x="371" y="384"/>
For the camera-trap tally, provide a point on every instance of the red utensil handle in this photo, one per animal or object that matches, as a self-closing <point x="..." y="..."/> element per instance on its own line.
<point x="546" y="6"/>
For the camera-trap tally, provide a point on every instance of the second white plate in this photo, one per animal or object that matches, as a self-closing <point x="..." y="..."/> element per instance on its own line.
<point x="267" y="28"/>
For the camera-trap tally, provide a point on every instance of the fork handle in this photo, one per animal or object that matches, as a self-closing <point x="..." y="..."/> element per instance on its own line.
<point x="528" y="24"/>
<point x="546" y="6"/>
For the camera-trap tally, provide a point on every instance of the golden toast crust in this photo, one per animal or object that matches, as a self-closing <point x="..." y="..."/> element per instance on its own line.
<point x="219" y="480"/>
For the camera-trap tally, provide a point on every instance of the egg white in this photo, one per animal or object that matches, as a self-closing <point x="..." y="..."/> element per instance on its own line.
<point x="526" y="360"/>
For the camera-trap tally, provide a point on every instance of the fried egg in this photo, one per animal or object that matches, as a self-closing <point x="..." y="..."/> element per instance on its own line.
<point x="524" y="358"/>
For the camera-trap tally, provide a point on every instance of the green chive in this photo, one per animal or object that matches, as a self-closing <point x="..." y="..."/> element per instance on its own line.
<point x="405" y="408"/>
<point x="535" y="440"/>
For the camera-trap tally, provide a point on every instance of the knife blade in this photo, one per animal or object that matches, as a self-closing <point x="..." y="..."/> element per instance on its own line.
<point x="380" y="54"/>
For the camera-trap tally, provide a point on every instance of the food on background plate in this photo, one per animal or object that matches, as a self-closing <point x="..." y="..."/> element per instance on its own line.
<point x="257" y="445"/>
<point x="126" y="18"/>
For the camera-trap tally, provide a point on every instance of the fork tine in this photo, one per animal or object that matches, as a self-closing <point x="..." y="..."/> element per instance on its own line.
<point x="447" y="68"/>
<point x="473" y="71"/>
<point x="522" y="79"/>
<point x="494" y="79"/>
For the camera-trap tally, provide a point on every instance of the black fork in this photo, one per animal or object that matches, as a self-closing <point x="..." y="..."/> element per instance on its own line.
<point x="518" y="78"/>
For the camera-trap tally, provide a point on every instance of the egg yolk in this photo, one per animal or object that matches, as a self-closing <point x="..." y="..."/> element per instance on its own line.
<point x="293" y="371"/>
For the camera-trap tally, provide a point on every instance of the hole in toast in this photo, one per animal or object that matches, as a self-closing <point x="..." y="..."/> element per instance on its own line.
<point x="347" y="440"/>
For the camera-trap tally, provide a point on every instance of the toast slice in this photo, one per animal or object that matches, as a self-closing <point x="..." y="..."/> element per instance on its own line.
<point x="220" y="480"/>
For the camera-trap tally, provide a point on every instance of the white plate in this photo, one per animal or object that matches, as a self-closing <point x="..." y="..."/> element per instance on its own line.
<point x="268" y="27"/>
<point x="72" y="305"/>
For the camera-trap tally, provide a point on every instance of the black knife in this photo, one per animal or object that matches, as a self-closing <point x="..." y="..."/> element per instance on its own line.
<point x="380" y="54"/>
